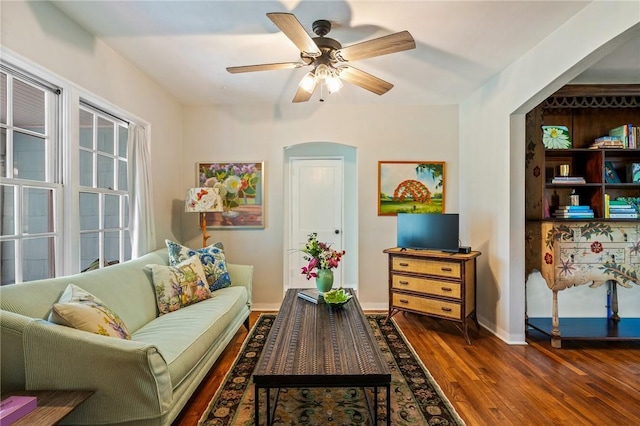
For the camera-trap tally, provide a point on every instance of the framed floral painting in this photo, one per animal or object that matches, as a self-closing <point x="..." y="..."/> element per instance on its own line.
<point x="241" y="186"/>
<point x="410" y="187"/>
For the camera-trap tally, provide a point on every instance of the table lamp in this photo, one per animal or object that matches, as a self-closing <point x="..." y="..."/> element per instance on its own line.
<point x="203" y="200"/>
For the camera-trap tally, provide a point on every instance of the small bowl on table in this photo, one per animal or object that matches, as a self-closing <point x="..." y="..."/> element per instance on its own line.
<point x="336" y="298"/>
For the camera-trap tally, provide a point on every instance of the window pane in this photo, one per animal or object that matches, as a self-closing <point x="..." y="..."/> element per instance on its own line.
<point x="123" y="135"/>
<point x="3" y="153"/>
<point x="29" y="157"/>
<point x="86" y="168"/>
<point x="7" y="194"/>
<point x="3" y="98"/>
<point x="37" y="210"/>
<point x="122" y="176"/>
<point x="111" y="211"/>
<point x="89" y="211"/>
<point x="111" y="247"/>
<point x="105" y="136"/>
<point x="86" y="129"/>
<point x="89" y="249"/>
<point x="105" y="172"/>
<point x="37" y="258"/>
<point x="28" y="107"/>
<point x="125" y="220"/>
<point x="8" y="263"/>
<point x="127" y="246"/>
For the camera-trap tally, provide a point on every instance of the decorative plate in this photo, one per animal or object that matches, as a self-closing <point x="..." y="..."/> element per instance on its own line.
<point x="556" y="137"/>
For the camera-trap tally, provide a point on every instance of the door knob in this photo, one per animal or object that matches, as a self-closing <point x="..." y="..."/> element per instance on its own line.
<point x="337" y="231"/>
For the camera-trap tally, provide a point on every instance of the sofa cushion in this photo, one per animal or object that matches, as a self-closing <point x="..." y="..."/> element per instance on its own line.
<point x="212" y="258"/>
<point x="179" y="286"/>
<point x="185" y="336"/>
<point x="80" y="309"/>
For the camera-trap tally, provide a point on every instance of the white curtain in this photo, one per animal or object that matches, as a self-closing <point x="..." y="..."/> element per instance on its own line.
<point x="141" y="224"/>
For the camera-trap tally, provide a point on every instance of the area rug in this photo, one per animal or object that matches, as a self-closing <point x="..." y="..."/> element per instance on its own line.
<point x="416" y="399"/>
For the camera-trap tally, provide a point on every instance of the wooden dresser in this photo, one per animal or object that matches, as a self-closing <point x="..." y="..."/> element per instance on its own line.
<point x="433" y="283"/>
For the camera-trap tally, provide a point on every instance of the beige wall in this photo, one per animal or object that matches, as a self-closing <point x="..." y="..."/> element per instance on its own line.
<point x="46" y="38"/>
<point x="261" y="134"/>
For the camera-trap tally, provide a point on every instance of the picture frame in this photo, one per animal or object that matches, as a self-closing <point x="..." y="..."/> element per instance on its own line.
<point x="411" y="187"/>
<point x="241" y="185"/>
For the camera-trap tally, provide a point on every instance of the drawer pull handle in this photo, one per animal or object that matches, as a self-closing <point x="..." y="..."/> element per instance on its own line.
<point x="446" y="269"/>
<point x="446" y="309"/>
<point x="404" y="301"/>
<point x="403" y="282"/>
<point x="404" y="264"/>
<point x="446" y="289"/>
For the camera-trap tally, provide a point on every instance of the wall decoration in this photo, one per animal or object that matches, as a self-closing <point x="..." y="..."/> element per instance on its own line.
<point x="241" y="185"/>
<point x="410" y="187"/>
<point x="556" y="137"/>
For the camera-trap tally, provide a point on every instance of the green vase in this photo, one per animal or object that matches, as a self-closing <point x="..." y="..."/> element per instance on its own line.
<point x="324" y="280"/>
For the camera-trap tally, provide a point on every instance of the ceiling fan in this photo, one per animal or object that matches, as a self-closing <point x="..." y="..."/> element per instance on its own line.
<point x="330" y="61"/>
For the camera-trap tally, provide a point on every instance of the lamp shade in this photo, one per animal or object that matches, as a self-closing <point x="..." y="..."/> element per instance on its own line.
<point x="203" y="200"/>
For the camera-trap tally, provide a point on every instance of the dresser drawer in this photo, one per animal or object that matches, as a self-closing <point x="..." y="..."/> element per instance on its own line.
<point x="426" y="286"/>
<point x="425" y="266"/>
<point x="427" y="306"/>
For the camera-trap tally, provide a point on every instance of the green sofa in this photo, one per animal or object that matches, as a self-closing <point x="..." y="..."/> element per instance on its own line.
<point x="143" y="381"/>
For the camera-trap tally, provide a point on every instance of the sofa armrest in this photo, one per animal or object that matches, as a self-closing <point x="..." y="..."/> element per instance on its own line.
<point x="130" y="379"/>
<point x="241" y="275"/>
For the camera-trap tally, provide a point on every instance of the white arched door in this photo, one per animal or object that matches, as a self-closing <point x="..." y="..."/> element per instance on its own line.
<point x="316" y="205"/>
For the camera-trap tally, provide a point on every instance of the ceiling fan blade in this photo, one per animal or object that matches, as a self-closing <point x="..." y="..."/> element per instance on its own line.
<point x="364" y="80"/>
<point x="292" y="28"/>
<point x="265" y="67"/>
<point x="303" y="95"/>
<point x="391" y="43"/>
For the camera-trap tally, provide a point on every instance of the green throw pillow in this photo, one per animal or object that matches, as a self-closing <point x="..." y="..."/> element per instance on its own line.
<point x="179" y="286"/>
<point x="212" y="258"/>
<point x="80" y="309"/>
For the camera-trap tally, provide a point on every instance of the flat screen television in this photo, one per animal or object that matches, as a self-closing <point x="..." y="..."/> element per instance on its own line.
<point x="428" y="231"/>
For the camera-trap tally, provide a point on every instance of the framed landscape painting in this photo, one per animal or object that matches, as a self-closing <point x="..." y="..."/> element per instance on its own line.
<point x="241" y="186"/>
<point x="410" y="187"/>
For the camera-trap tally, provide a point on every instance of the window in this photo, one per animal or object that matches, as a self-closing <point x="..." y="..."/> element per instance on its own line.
<point x="30" y="187"/>
<point x="103" y="196"/>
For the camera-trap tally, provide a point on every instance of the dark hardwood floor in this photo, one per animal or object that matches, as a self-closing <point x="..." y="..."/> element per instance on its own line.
<point x="492" y="383"/>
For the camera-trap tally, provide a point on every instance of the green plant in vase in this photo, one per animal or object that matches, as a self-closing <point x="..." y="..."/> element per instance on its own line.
<point x="322" y="260"/>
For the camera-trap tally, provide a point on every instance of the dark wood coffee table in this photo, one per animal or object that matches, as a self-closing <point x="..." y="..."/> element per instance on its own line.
<point x="313" y="345"/>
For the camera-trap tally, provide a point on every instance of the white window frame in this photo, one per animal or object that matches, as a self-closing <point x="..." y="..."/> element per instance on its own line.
<point x="53" y="111"/>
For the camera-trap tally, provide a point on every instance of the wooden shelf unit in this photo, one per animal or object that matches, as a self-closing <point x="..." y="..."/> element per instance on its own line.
<point x="572" y="252"/>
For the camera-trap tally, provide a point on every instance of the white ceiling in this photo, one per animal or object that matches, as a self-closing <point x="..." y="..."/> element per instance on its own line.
<point x="186" y="45"/>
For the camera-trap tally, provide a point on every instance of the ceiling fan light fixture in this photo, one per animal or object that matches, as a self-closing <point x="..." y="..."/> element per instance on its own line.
<point x="333" y="83"/>
<point x="308" y="82"/>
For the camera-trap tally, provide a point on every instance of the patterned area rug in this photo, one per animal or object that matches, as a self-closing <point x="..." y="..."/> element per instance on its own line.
<point x="416" y="399"/>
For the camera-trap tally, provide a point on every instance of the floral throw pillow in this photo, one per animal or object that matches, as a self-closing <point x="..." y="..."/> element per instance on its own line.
<point x="180" y="285"/>
<point x="212" y="258"/>
<point x="80" y="309"/>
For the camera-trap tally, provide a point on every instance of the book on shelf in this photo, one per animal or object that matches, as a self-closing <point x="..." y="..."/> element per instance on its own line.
<point x="574" y="216"/>
<point x="610" y="175"/>
<point x="13" y="408"/>
<point x="633" y="215"/>
<point x="574" y="208"/>
<point x="311" y="295"/>
<point x="613" y="211"/>
<point x="628" y="134"/>
<point x="607" y="142"/>
<point x="607" y="205"/>
<point x="568" y="180"/>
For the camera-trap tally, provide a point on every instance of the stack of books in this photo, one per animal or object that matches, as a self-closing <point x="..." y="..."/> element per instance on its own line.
<point x="573" y="212"/>
<point x="628" y="134"/>
<point x="607" y="142"/>
<point x="311" y="295"/>
<point x="621" y="210"/>
<point x="568" y="180"/>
